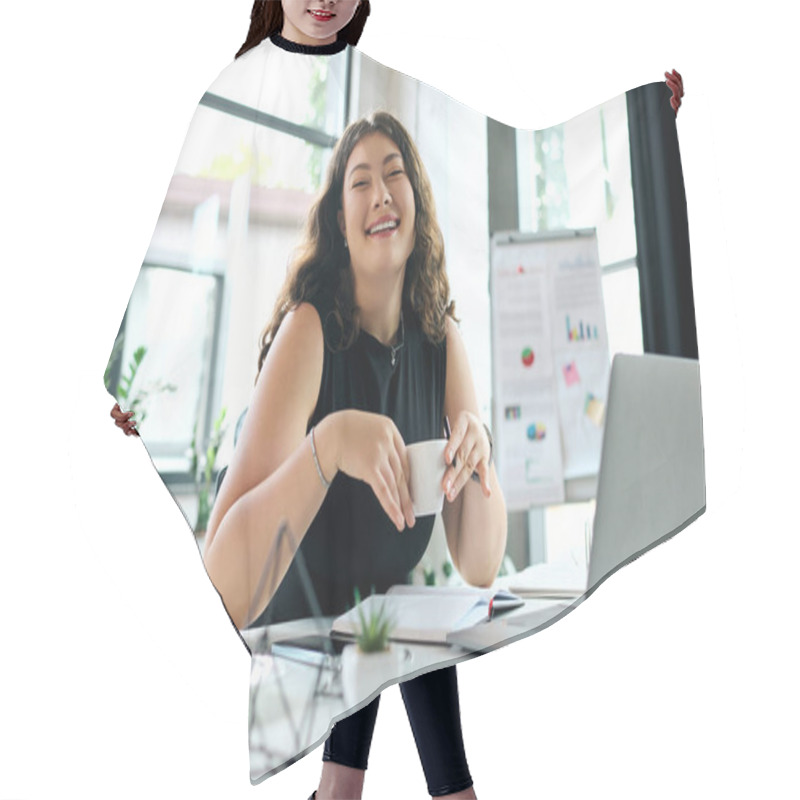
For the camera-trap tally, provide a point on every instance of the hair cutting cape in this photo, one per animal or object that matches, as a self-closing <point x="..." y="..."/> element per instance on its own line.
<point x="544" y="219"/>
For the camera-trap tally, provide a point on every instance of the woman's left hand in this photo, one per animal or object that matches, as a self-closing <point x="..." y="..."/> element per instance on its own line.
<point x="467" y="451"/>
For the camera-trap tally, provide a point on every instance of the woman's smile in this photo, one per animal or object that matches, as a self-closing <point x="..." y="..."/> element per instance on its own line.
<point x="321" y="16"/>
<point x="384" y="227"/>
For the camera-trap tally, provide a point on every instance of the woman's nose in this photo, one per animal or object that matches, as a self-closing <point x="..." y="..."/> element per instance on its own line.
<point x="382" y="196"/>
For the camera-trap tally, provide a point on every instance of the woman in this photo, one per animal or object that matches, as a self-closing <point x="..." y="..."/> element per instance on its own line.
<point x="324" y="446"/>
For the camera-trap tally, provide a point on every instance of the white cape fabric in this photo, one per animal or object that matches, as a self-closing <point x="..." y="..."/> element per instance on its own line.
<point x="186" y="356"/>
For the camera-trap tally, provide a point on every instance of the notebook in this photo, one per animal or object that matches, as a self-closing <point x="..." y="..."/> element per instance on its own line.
<point x="428" y="613"/>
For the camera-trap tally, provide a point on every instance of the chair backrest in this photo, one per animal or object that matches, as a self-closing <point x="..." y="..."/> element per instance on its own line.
<point x="220" y="476"/>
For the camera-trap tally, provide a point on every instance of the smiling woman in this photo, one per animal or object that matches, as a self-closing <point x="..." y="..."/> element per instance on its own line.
<point x="369" y="278"/>
<point x="324" y="443"/>
<point x="316" y="22"/>
<point x="377" y="221"/>
<point x="376" y="172"/>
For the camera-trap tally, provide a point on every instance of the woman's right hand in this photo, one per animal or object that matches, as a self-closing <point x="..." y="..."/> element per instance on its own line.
<point x="675" y="83"/>
<point x="372" y="450"/>
<point x="124" y="420"/>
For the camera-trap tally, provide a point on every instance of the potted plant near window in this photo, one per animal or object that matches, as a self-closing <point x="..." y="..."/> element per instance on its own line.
<point x="373" y="660"/>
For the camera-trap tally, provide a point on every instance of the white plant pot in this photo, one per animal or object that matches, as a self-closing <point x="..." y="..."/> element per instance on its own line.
<point x="364" y="673"/>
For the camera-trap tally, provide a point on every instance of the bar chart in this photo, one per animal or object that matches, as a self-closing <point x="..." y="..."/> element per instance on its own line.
<point x="581" y="331"/>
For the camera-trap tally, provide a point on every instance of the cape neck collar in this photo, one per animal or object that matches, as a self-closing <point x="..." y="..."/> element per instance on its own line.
<point x="308" y="49"/>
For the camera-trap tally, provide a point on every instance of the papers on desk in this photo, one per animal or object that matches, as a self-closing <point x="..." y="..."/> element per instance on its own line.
<point x="428" y="613"/>
<point x="548" y="580"/>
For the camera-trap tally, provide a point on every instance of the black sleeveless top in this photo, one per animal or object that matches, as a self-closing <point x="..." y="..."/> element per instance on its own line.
<point x="352" y="542"/>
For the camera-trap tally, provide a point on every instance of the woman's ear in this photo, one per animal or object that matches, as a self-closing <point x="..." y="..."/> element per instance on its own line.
<point x="340" y="220"/>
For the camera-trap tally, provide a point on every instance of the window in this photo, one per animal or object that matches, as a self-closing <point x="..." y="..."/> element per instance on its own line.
<point x="219" y="251"/>
<point x="578" y="175"/>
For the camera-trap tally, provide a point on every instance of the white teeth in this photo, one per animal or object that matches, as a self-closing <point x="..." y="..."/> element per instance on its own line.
<point x="384" y="226"/>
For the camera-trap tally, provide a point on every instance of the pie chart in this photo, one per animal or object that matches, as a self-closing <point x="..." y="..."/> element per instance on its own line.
<point x="527" y="357"/>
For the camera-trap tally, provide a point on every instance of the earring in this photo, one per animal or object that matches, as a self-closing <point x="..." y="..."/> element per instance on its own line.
<point x="344" y="239"/>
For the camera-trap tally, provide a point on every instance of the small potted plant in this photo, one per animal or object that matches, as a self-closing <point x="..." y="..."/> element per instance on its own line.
<point x="374" y="629"/>
<point x="373" y="660"/>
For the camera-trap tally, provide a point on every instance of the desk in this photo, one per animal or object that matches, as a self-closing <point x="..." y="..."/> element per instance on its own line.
<point x="293" y="705"/>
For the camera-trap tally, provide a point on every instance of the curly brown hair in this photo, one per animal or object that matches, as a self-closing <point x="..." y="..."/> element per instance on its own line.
<point x="266" y="18"/>
<point x="322" y="264"/>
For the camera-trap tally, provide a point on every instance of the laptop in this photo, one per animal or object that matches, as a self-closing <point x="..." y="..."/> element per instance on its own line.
<point x="652" y="467"/>
<point x="651" y="483"/>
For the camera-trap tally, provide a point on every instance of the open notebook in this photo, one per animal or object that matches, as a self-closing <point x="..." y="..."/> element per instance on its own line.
<point x="428" y="613"/>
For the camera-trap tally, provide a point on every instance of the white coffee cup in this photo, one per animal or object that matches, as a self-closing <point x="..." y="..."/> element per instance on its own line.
<point x="427" y="467"/>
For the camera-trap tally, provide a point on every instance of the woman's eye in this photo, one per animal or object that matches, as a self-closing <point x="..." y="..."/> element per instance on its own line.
<point x="395" y="172"/>
<point x="360" y="183"/>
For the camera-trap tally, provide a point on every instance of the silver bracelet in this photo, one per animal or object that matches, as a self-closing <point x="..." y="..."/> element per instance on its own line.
<point x="325" y="483"/>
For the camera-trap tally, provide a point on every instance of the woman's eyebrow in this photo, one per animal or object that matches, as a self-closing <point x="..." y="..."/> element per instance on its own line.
<point x="367" y="166"/>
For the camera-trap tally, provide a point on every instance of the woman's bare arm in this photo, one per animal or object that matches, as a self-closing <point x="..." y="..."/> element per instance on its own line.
<point x="475" y="525"/>
<point x="272" y="477"/>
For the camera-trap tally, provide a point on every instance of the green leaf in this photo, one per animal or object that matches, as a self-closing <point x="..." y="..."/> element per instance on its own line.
<point x="375" y="629"/>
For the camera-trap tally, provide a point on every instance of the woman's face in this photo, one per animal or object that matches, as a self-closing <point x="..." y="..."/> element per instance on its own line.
<point x="378" y="211"/>
<point x="315" y="21"/>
